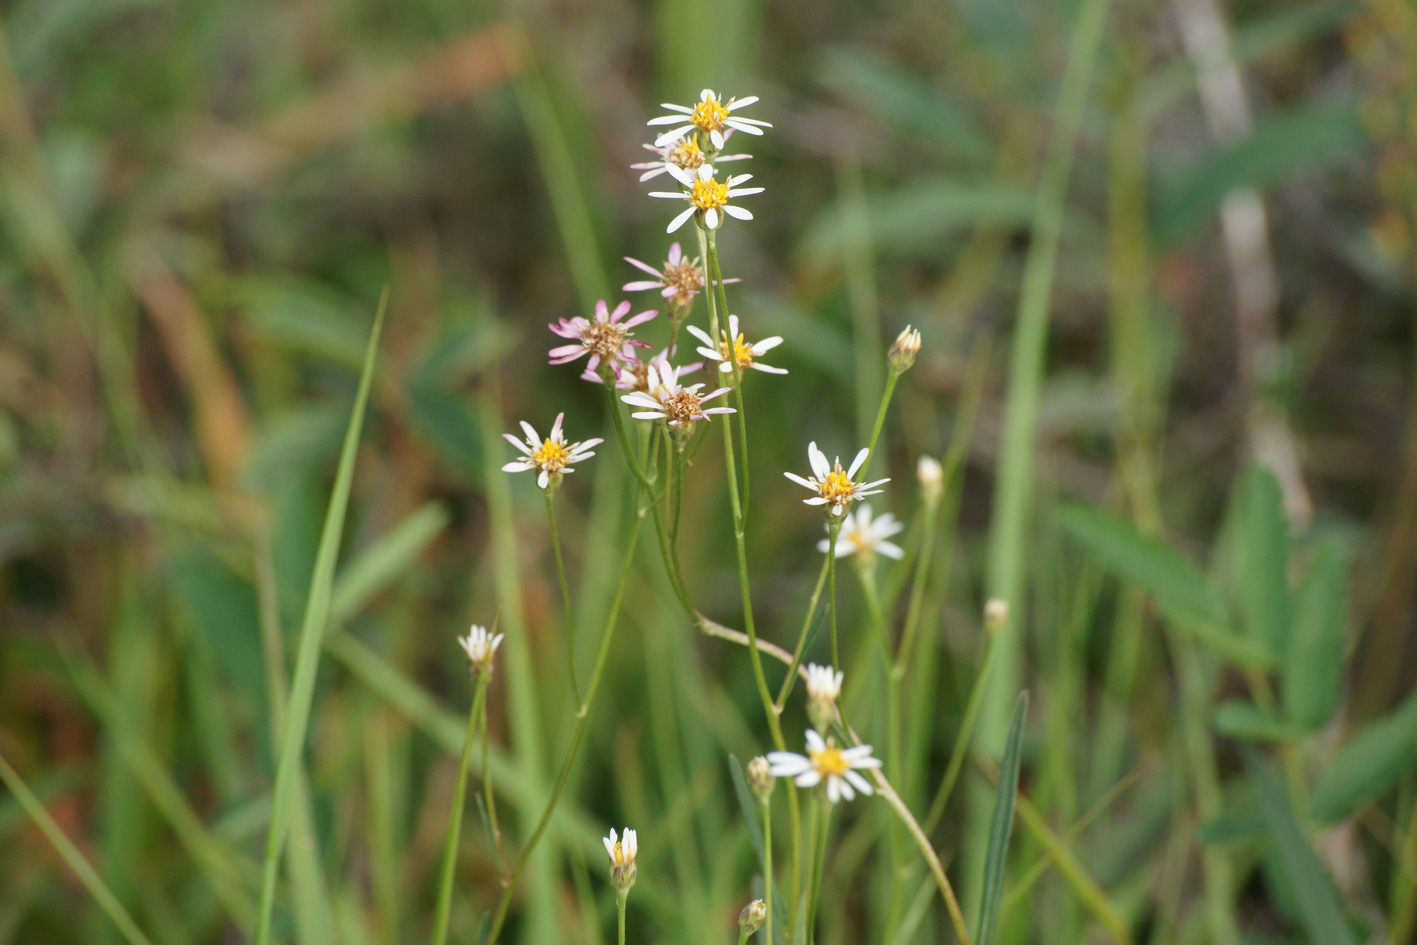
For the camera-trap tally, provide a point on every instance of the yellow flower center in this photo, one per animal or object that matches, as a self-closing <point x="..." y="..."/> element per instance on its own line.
<point x="742" y="353"/>
<point x="619" y="855"/>
<point x="708" y="194"/>
<point x="550" y="456"/>
<point x="686" y="154"/>
<point x="829" y="761"/>
<point x="837" y="488"/>
<point x="709" y="115"/>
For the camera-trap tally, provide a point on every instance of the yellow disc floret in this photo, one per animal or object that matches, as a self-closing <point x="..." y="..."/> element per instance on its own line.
<point x="708" y="194"/>
<point x="837" y="488"/>
<point x="829" y="761"/>
<point x="550" y="456"/>
<point x="709" y="115"/>
<point x="686" y="154"/>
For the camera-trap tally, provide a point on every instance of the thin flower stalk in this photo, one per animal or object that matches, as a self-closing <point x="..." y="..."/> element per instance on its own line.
<point x="450" y="849"/>
<point x="835" y="532"/>
<point x="565" y="599"/>
<point x="710" y="241"/>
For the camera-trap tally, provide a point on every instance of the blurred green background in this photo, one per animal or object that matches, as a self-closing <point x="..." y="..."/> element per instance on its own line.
<point x="201" y="203"/>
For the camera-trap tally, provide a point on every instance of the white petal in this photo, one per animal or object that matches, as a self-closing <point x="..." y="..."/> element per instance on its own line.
<point x="711" y="218"/>
<point x="531" y="436"/>
<point x="678" y="221"/>
<point x="716" y="137"/>
<point x="890" y="550"/>
<point x="517" y="443"/>
<point x="767" y="344"/>
<point x="818" y="459"/>
<point x="738" y="213"/>
<point x="672" y="134"/>
<point x="518" y="467"/>
<point x="747" y="124"/>
<point x="818" y="500"/>
<point x="759" y="366"/>
<point x="684" y="109"/>
<point x="742" y="102"/>
<point x="800" y="481"/>
<point x="861" y="783"/>
<point x="834" y="786"/>
<point x="856" y="463"/>
<point x="700" y="334"/>
<point x="680" y="174"/>
<point x="669" y="119"/>
<point x="543" y="479"/>
<point x="814" y="741"/>
<point x="809" y="778"/>
<point x="648" y="415"/>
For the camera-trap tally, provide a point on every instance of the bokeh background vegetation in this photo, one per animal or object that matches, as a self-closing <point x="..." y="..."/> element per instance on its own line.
<point x="202" y="203"/>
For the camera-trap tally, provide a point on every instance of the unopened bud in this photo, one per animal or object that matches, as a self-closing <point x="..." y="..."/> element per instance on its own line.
<point x="996" y="614"/>
<point x="752" y="917"/>
<point x="760" y="779"/>
<point x="823" y="687"/>
<point x="903" y="352"/>
<point x="931" y="477"/>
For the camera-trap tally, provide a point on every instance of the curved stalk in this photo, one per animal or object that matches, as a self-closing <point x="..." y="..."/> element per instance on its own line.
<point x="450" y="850"/>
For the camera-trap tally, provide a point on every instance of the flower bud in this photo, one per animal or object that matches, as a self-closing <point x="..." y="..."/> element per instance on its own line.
<point x="996" y="614"/>
<point x="903" y="352"/>
<point x="760" y="779"/>
<point x="622" y="858"/>
<point x="823" y="687"/>
<point x="752" y="917"/>
<point x="931" y="477"/>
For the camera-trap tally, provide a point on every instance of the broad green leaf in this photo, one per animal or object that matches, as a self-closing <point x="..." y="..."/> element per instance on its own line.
<point x="1367" y="765"/>
<point x="317" y="611"/>
<point x="1243" y="720"/>
<point x="378" y="565"/>
<point x="1306" y="137"/>
<point x="1264" y="562"/>
<point x="1001" y="826"/>
<point x="1180" y="590"/>
<point x="1313" y="667"/>
<point x="1316" y="899"/>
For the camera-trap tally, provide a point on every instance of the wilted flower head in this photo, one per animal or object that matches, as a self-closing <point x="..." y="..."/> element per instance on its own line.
<point x="622" y="858"/>
<point x="551" y="456"/>
<point x="604" y="338"/>
<point x="682" y="278"/>
<point x="709" y="116"/>
<point x="480" y="647"/>
<point x="834" y="486"/>
<point x="903" y="351"/>
<point x="732" y="349"/>
<point x="760" y="779"/>
<point x="665" y="399"/>
<point x="863" y="536"/>
<point x="824" y="761"/>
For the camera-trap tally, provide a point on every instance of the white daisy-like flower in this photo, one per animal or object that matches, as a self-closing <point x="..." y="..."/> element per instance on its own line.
<point x="824" y="761"/>
<point x="480" y="647"/>
<point x="683" y="153"/>
<point x="833" y="485"/>
<point x="634" y="375"/>
<point x="665" y="399"/>
<point x="823" y="683"/>
<point x="731" y="347"/>
<point x="622" y="857"/>
<point x="681" y="279"/>
<point x="552" y="456"/>
<point x="604" y="338"/>
<point x="862" y="535"/>
<point x="707" y="196"/>
<point x="710" y="116"/>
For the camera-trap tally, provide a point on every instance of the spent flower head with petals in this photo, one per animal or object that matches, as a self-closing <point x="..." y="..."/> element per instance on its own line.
<point x="825" y="762"/>
<point x="604" y="337"/>
<point x="863" y="536"/>
<point x="622" y="858"/>
<point x="665" y="399"/>
<point x="551" y="456"/>
<point x="903" y="350"/>
<point x="683" y="153"/>
<point x="833" y="485"/>
<point x="709" y="116"/>
<point x="823" y="688"/>
<point x="681" y="280"/>
<point x="480" y="647"/>
<point x="634" y="375"/>
<point x="731" y="348"/>
<point x="708" y="197"/>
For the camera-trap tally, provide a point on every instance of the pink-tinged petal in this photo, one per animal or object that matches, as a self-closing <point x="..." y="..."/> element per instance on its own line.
<point x="720" y="410"/>
<point x="567" y="359"/>
<point x="646" y="267"/>
<point x="678" y="221"/>
<point x="556" y="429"/>
<point x="641" y="318"/>
<point x="759" y="366"/>
<point x="643" y="286"/>
<point x="645" y="165"/>
<point x="676" y="253"/>
<point x="738" y="213"/>
<point x="809" y="778"/>
<point x="517" y="467"/>
<point x="861" y="783"/>
<point x="543" y="479"/>
<point x="732" y="157"/>
<point x="856" y="463"/>
<point x="818" y="459"/>
<point x="589" y="375"/>
<point x="728" y="281"/>
<point x="620" y="311"/>
<point x="711" y="217"/>
<point x="669" y="292"/>
<point x="677" y="108"/>
<point x="563" y="350"/>
<point x="592" y="442"/>
<point x="717" y="393"/>
<point x="517" y="443"/>
<point x="767" y="344"/>
<point x="800" y="481"/>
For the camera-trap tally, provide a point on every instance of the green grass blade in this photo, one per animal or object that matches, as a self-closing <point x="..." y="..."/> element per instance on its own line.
<point x="1001" y="827"/>
<point x="91" y="880"/>
<point x="1315" y="896"/>
<point x="317" y="611"/>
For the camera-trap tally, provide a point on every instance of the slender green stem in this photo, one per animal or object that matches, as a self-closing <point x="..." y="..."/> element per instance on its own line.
<point x="716" y="287"/>
<point x="886" y="395"/>
<point x="742" y="936"/>
<point x="678" y="492"/>
<point x="866" y="573"/>
<point x="81" y="867"/>
<point x="620" y="896"/>
<point x="582" y="716"/>
<point x="966" y="732"/>
<point x="787" y="683"/>
<point x="767" y="868"/>
<point x="489" y="800"/>
<point x="450" y="849"/>
<point x="821" y="827"/>
<point x="834" y="523"/>
<point x="565" y="598"/>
